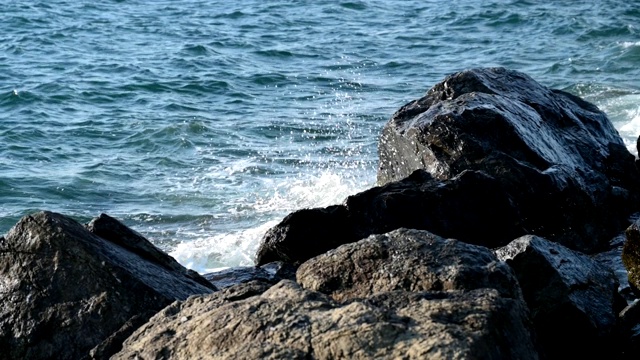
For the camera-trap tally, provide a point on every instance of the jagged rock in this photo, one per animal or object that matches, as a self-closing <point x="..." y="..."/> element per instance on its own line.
<point x="405" y="259"/>
<point x="270" y="273"/>
<point x="631" y="256"/>
<point x="558" y="156"/>
<point x="573" y="299"/>
<point x="545" y="162"/>
<point x="287" y="322"/>
<point x="471" y="207"/>
<point x="65" y="291"/>
<point x="116" y="232"/>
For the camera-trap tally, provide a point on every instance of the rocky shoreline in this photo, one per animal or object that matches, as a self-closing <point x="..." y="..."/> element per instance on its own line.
<point x="491" y="235"/>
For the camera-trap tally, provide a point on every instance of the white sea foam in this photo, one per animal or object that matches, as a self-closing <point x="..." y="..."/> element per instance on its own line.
<point x="208" y="252"/>
<point x="624" y="112"/>
<point x="628" y="44"/>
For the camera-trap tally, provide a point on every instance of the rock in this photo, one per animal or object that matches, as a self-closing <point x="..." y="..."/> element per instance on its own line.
<point x="65" y="291"/>
<point x="630" y="332"/>
<point x="631" y="256"/>
<point x="543" y="162"/>
<point x="287" y="322"/>
<point x="558" y="156"/>
<point x="612" y="259"/>
<point x="573" y="299"/>
<point x="271" y="273"/>
<point x="470" y="207"/>
<point x="410" y="260"/>
<point x="114" y="231"/>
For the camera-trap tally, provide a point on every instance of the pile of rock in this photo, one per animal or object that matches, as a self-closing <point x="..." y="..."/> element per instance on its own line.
<point x="488" y="237"/>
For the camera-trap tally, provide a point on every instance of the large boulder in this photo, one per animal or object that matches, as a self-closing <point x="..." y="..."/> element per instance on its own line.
<point x="405" y="259"/>
<point x="559" y="157"/>
<point x="486" y="156"/>
<point x="573" y="299"/>
<point x="288" y="322"/>
<point x="65" y="291"/>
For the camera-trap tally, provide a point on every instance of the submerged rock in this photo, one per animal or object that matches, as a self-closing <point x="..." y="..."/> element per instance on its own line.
<point x="573" y="299"/>
<point x="288" y="322"/>
<point x="65" y="291"/>
<point x="409" y="260"/>
<point x="486" y="156"/>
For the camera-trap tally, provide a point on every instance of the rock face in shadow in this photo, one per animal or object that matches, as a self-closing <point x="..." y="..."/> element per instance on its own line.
<point x="471" y="207"/>
<point x="409" y="260"/>
<point x="65" y="291"/>
<point x="573" y="299"/>
<point x="486" y="156"/>
<point x="288" y="322"/>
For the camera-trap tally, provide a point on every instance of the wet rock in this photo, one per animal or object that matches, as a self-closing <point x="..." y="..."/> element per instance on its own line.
<point x="612" y="259"/>
<point x="65" y="291"/>
<point x="558" y="156"/>
<point x="270" y="273"/>
<point x="405" y="259"/>
<point x="631" y="256"/>
<point x="486" y="156"/>
<point x="288" y="322"/>
<point x="573" y="299"/>
<point x="470" y="207"/>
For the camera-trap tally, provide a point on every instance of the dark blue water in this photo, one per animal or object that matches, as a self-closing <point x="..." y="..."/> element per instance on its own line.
<point x="202" y="123"/>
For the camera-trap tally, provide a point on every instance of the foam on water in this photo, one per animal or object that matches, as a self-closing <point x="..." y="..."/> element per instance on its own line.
<point x="206" y="252"/>
<point x="622" y="106"/>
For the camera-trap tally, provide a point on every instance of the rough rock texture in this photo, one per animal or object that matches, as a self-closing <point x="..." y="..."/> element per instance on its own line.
<point x="410" y="260"/>
<point x="116" y="232"/>
<point x="271" y="273"/>
<point x="470" y="207"/>
<point x="551" y="150"/>
<point x="631" y="256"/>
<point x="543" y="161"/>
<point x="287" y="322"/>
<point x="573" y="299"/>
<point x="64" y="290"/>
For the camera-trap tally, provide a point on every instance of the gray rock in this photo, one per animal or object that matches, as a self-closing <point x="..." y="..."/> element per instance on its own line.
<point x="65" y="291"/>
<point x="287" y="322"/>
<point x="114" y="231"/>
<point x="573" y="299"/>
<point x="405" y="259"/>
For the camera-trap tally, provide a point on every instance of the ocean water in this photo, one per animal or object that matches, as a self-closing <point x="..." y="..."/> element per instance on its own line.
<point x="200" y="124"/>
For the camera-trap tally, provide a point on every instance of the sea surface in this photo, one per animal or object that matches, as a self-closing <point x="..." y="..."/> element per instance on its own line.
<point x="201" y="124"/>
